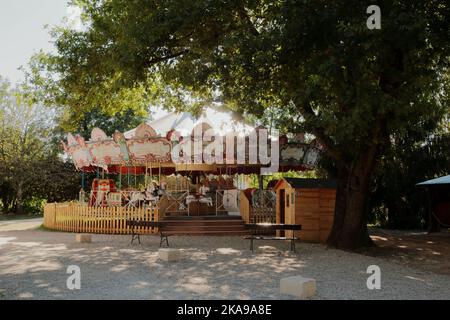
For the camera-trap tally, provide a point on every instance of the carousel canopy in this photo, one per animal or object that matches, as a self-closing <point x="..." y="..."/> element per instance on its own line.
<point x="437" y="181"/>
<point x="221" y="122"/>
<point x="154" y="143"/>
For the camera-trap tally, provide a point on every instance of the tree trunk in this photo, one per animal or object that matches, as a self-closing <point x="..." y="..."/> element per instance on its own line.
<point x="19" y="199"/>
<point x="5" y="203"/>
<point x="349" y="229"/>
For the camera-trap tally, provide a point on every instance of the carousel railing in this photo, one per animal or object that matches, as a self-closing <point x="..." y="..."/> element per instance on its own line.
<point x="80" y="218"/>
<point x="260" y="211"/>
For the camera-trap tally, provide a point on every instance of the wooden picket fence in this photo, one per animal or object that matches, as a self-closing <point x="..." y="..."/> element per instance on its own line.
<point x="75" y="217"/>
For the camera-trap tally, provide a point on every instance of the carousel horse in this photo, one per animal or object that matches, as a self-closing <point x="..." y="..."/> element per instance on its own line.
<point x="202" y="197"/>
<point x="135" y="198"/>
<point x="153" y="193"/>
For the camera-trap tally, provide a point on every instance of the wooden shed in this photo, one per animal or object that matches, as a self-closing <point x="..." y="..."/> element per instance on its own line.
<point x="309" y="202"/>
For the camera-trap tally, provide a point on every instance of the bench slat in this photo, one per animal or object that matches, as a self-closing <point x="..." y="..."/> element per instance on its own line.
<point x="270" y="238"/>
<point x="273" y="226"/>
<point x="148" y="224"/>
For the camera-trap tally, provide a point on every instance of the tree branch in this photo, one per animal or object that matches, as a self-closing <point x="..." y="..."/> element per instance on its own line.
<point x="319" y="132"/>
<point x="245" y="17"/>
<point x="167" y="57"/>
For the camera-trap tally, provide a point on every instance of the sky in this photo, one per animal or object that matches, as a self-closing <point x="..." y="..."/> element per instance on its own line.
<point x="22" y="31"/>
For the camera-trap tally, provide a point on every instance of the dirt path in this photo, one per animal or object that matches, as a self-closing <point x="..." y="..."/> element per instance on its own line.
<point x="34" y="264"/>
<point x="20" y="224"/>
<point x="415" y="249"/>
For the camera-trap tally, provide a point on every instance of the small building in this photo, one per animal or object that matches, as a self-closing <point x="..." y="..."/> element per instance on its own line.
<point x="438" y="194"/>
<point x="309" y="202"/>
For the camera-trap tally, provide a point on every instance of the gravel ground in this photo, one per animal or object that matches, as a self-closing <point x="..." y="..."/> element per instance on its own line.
<point x="25" y="224"/>
<point x="33" y="265"/>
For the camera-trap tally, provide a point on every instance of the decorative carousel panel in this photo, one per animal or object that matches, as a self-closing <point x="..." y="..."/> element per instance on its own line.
<point x="76" y="148"/>
<point x="119" y="138"/>
<point x="144" y="131"/>
<point x="71" y="140"/>
<point x="144" y="150"/>
<point x="312" y="157"/>
<point x="293" y="153"/>
<point x="199" y="129"/>
<point x="80" y="156"/>
<point x="98" y="134"/>
<point x="105" y="153"/>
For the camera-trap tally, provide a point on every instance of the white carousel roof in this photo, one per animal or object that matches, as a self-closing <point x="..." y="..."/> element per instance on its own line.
<point x="221" y="122"/>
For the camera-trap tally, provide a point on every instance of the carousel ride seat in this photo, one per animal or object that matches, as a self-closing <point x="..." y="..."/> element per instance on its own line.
<point x="136" y="198"/>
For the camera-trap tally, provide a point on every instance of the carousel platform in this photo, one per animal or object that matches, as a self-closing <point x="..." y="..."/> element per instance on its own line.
<point x="205" y="225"/>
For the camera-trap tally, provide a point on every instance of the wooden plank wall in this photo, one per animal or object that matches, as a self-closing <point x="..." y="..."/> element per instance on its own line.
<point x="73" y="217"/>
<point x="314" y="210"/>
<point x="244" y="207"/>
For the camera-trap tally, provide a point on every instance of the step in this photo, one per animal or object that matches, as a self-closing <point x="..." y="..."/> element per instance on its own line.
<point x="204" y="228"/>
<point x="204" y="222"/>
<point x="210" y="217"/>
<point x="203" y="232"/>
<point x="205" y="225"/>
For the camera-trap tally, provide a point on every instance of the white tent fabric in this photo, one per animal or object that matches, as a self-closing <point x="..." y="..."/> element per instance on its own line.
<point x="440" y="180"/>
<point x="221" y="122"/>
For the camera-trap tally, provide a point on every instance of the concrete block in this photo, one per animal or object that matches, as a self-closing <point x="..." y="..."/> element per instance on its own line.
<point x="267" y="250"/>
<point x="298" y="286"/>
<point x="83" y="238"/>
<point x="169" y="255"/>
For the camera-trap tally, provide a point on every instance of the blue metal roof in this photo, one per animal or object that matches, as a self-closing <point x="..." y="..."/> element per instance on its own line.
<point x="440" y="180"/>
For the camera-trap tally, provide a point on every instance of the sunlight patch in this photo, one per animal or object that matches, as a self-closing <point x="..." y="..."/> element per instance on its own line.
<point x="227" y="251"/>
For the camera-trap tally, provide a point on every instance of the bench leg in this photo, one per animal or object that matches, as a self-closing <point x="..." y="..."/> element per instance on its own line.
<point x="135" y="236"/>
<point x="251" y="244"/>
<point x="167" y="241"/>
<point x="163" y="239"/>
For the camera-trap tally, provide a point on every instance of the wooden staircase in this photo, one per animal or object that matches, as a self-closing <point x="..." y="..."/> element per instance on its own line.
<point x="205" y="225"/>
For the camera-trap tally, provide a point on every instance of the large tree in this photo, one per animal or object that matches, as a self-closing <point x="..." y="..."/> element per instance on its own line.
<point x="30" y="164"/>
<point x="315" y="62"/>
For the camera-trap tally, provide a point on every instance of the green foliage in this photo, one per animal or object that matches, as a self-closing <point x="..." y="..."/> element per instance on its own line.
<point x="34" y="205"/>
<point x="316" y="62"/>
<point x="30" y="166"/>
<point x="313" y="65"/>
<point x="123" y="121"/>
<point x="75" y="102"/>
<point x="396" y="202"/>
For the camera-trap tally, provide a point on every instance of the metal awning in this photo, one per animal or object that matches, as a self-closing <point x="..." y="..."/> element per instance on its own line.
<point x="437" y="181"/>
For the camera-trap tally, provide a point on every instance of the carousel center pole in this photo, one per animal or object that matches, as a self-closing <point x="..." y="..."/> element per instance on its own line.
<point x="159" y="178"/>
<point x="82" y="180"/>
<point x="151" y="173"/>
<point x="146" y="176"/>
<point x="120" y="178"/>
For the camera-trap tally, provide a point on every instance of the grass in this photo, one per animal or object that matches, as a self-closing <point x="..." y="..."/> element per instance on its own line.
<point x="7" y="217"/>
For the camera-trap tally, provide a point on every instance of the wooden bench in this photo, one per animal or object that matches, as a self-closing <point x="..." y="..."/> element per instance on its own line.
<point x="148" y="224"/>
<point x="255" y="227"/>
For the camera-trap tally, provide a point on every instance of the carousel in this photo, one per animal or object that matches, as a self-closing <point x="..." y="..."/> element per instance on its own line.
<point x="137" y="170"/>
